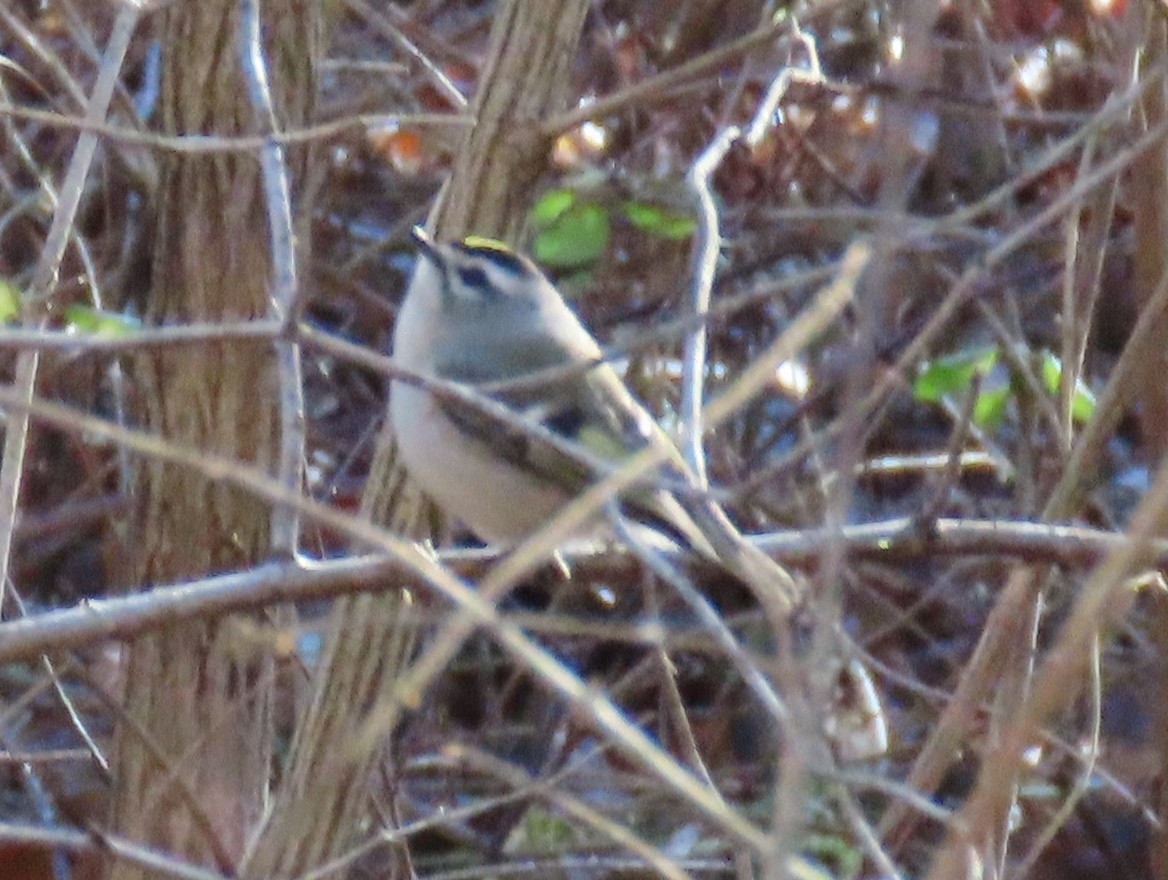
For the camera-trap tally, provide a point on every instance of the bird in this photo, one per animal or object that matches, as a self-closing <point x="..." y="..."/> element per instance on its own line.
<point x="485" y="317"/>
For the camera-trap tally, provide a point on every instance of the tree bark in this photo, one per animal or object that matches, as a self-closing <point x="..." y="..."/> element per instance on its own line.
<point x="192" y="755"/>
<point x="1150" y="214"/>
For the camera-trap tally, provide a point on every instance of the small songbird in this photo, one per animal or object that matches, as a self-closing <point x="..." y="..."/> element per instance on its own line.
<point x="478" y="314"/>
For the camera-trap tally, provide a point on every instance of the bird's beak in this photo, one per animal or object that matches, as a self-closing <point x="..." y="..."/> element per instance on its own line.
<point x="427" y="247"/>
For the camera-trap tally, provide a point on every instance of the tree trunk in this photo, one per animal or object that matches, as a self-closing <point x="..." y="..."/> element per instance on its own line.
<point x="1149" y="173"/>
<point x="192" y="757"/>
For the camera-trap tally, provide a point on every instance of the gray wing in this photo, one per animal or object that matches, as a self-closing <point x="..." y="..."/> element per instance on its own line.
<point x="592" y="409"/>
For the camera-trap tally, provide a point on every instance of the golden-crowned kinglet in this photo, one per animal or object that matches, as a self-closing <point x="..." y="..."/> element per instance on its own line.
<point x="478" y="313"/>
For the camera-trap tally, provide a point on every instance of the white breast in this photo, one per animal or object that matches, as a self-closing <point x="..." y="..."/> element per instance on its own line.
<point x="500" y="503"/>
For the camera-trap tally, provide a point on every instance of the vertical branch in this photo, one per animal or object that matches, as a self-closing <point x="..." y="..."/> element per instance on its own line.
<point x="285" y="525"/>
<point x="1150" y="207"/>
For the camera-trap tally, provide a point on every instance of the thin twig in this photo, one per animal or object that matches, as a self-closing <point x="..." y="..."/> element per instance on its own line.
<point x="707" y="246"/>
<point x="708" y="616"/>
<point x="284" y="527"/>
<point x="97" y="844"/>
<point x="186" y="144"/>
<point x="381" y="23"/>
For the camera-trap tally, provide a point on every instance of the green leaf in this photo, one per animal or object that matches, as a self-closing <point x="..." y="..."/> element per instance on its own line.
<point x="544" y="832"/>
<point x="9" y="300"/>
<point x="952" y="373"/>
<point x="1052" y="371"/>
<point x="1082" y="401"/>
<point x="85" y="319"/>
<point x="990" y="409"/>
<point x="551" y="206"/>
<point x="577" y="238"/>
<point x="830" y="849"/>
<point x="660" y="221"/>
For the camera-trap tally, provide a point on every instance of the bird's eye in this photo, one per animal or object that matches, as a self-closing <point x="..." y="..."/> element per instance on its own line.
<point x="474" y="277"/>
